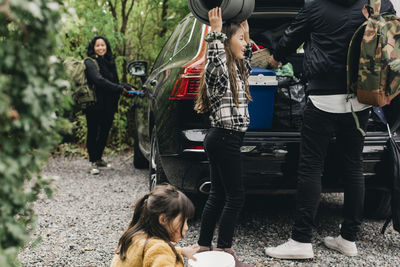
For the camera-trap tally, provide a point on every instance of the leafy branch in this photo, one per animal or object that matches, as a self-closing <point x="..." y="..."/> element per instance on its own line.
<point x="5" y="9"/>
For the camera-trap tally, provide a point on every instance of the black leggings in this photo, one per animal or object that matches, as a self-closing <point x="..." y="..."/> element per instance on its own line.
<point x="227" y="192"/>
<point x="98" y="126"/>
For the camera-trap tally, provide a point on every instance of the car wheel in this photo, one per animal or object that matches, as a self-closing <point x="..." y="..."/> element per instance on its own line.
<point x="247" y="10"/>
<point x="377" y="204"/>
<point x="156" y="172"/>
<point x="139" y="160"/>
<point x="232" y="10"/>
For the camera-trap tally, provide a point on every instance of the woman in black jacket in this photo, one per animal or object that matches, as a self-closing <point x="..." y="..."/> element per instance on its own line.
<point x="99" y="117"/>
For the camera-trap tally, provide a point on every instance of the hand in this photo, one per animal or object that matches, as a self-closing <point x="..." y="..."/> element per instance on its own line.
<point x="13" y="114"/>
<point x="246" y="30"/>
<point x="125" y="91"/>
<point x="215" y="18"/>
<point x="189" y="251"/>
<point x="273" y="63"/>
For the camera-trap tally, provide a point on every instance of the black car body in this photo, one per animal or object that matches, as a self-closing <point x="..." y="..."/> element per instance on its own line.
<point x="169" y="133"/>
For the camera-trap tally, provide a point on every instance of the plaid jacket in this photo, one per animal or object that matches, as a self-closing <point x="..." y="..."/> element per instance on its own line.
<point x="224" y="112"/>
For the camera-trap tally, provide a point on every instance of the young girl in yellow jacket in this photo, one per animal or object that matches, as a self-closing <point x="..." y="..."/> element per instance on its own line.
<point x="160" y="218"/>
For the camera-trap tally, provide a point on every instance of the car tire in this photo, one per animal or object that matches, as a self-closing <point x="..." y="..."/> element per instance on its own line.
<point x="232" y="10"/>
<point x="156" y="172"/>
<point x="247" y="10"/>
<point x="139" y="160"/>
<point x="377" y="204"/>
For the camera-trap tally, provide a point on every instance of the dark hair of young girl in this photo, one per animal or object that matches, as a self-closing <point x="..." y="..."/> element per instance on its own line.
<point x="202" y="104"/>
<point x="164" y="199"/>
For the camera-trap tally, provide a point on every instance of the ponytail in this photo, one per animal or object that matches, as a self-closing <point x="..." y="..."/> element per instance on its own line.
<point x="140" y="204"/>
<point x="126" y="239"/>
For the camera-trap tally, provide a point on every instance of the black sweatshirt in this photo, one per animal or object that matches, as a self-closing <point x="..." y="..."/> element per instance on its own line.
<point x="326" y="27"/>
<point x="106" y="84"/>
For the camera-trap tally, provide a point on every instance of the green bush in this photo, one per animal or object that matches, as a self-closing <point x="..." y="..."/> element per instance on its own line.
<point x="31" y="105"/>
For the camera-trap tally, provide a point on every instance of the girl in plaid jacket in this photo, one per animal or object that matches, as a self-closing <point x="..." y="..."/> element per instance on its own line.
<point x="224" y="93"/>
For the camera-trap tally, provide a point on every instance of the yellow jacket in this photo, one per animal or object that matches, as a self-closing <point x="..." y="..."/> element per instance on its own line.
<point x="157" y="253"/>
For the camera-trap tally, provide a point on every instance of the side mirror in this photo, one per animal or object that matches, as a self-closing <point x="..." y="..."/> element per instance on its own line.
<point x="137" y="68"/>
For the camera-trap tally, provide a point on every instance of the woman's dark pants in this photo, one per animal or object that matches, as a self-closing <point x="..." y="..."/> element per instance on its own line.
<point x="227" y="193"/>
<point x="98" y="126"/>
<point x="318" y="129"/>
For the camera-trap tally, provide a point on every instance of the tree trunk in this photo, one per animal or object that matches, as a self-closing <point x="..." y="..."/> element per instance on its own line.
<point x="126" y="10"/>
<point x="164" y="13"/>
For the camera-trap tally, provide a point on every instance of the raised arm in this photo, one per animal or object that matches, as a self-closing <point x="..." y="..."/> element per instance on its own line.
<point x="217" y="78"/>
<point x="248" y="53"/>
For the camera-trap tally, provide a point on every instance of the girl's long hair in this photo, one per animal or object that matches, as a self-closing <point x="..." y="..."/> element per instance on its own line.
<point x="202" y="104"/>
<point x="164" y="199"/>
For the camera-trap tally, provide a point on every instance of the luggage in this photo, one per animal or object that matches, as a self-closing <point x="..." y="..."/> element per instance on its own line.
<point x="263" y="85"/>
<point x="290" y="100"/>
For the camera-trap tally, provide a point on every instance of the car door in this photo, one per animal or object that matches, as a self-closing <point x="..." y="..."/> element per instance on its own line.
<point x="155" y="85"/>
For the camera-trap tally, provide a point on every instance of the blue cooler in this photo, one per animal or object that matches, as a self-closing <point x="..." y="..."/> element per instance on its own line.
<point x="263" y="83"/>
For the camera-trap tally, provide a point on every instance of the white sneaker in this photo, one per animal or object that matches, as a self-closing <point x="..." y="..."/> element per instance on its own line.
<point x="342" y="245"/>
<point x="291" y="250"/>
<point x="94" y="170"/>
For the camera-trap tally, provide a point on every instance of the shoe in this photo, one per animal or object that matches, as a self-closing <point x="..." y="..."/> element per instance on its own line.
<point x="205" y="248"/>
<point x="238" y="263"/>
<point x="342" y="245"/>
<point x="291" y="250"/>
<point x="94" y="169"/>
<point x="102" y="164"/>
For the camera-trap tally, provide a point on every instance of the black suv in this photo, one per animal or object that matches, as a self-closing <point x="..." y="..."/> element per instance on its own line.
<point x="169" y="134"/>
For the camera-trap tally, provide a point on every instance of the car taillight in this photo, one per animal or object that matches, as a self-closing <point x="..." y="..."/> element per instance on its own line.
<point x="188" y="83"/>
<point x="196" y="147"/>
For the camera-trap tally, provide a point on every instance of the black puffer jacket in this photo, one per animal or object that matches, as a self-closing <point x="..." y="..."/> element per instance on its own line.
<point x="106" y="83"/>
<point x="326" y="27"/>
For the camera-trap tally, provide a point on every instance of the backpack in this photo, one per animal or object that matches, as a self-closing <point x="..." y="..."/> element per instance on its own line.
<point x="373" y="60"/>
<point x="82" y="94"/>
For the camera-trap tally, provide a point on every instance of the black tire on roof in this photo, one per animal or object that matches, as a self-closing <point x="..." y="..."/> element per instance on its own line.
<point x="232" y="10"/>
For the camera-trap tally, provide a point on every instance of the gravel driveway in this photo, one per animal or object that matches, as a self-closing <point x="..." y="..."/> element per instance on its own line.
<point x="81" y="225"/>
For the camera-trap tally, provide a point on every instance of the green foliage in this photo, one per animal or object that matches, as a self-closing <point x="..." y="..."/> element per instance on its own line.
<point x="82" y="20"/>
<point x="139" y="35"/>
<point x="31" y="106"/>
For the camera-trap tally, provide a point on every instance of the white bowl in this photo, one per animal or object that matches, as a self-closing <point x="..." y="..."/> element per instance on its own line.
<point x="212" y="259"/>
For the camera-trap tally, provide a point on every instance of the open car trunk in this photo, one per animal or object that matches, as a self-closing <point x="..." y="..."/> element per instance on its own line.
<point x="267" y="26"/>
<point x="273" y="152"/>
